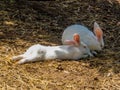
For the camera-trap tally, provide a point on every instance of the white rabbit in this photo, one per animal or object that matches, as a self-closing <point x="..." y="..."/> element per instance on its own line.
<point x="94" y="41"/>
<point x="74" y="50"/>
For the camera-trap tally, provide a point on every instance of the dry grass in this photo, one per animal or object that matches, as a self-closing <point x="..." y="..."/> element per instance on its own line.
<point x="23" y="26"/>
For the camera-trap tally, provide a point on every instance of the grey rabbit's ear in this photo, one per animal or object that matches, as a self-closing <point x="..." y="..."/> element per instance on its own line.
<point x="98" y="31"/>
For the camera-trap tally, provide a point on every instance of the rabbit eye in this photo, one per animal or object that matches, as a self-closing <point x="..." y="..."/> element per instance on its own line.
<point x="84" y="46"/>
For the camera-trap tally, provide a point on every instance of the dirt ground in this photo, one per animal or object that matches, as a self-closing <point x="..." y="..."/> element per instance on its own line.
<point x="26" y="24"/>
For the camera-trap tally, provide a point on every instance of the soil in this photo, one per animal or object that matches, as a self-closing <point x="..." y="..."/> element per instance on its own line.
<point x="43" y="22"/>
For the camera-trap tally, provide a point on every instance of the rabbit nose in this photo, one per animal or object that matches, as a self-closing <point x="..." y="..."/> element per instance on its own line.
<point x="102" y="46"/>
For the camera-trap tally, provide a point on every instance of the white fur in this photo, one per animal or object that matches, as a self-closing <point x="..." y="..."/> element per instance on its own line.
<point x="39" y="52"/>
<point x="87" y="36"/>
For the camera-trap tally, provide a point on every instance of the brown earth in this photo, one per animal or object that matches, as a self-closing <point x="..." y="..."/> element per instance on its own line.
<point x="25" y="24"/>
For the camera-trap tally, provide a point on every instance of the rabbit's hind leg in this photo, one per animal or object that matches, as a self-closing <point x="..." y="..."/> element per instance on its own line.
<point x="17" y="57"/>
<point x="25" y="60"/>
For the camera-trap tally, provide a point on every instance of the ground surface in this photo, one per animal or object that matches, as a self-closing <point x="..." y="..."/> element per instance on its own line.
<point x="22" y="25"/>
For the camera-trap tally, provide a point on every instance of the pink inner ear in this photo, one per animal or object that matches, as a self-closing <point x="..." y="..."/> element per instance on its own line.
<point x="76" y="37"/>
<point x="98" y="33"/>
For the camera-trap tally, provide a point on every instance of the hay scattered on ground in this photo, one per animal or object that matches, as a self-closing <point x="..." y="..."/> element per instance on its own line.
<point x="24" y="25"/>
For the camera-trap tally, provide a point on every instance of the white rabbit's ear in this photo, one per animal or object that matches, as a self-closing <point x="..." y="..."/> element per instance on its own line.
<point x="70" y="42"/>
<point x="76" y="38"/>
<point x="75" y="41"/>
<point x="98" y="31"/>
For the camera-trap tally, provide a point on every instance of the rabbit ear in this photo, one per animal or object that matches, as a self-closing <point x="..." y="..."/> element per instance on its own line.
<point x="70" y="42"/>
<point x="75" y="41"/>
<point x="98" y="31"/>
<point x="76" y="38"/>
